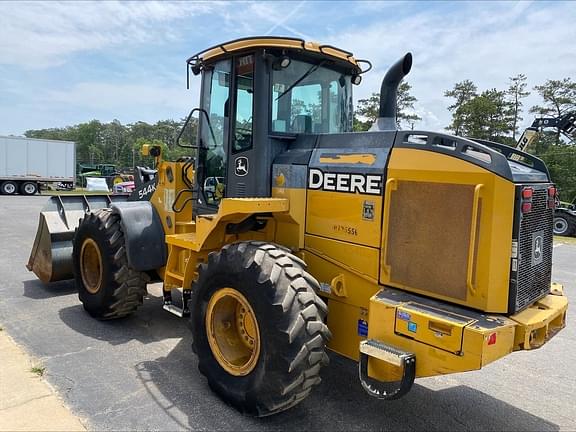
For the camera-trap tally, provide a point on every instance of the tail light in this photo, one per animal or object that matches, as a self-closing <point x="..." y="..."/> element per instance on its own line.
<point x="527" y="194"/>
<point x="552" y="197"/>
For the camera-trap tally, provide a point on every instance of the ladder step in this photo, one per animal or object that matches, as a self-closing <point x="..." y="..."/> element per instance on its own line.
<point x="175" y="310"/>
<point x="387" y="353"/>
<point x="178" y="276"/>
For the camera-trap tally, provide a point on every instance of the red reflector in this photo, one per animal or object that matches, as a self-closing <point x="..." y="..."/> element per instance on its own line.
<point x="551" y="191"/>
<point x="526" y="207"/>
<point x="527" y="193"/>
<point x="551" y="203"/>
<point x="492" y="339"/>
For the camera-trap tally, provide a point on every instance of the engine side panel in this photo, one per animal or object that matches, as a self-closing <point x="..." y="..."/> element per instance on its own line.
<point x="447" y="229"/>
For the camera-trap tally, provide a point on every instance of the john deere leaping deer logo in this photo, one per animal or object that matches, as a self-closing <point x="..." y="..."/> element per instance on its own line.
<point x="537" y="247"/>
<point x="241" y="164"/>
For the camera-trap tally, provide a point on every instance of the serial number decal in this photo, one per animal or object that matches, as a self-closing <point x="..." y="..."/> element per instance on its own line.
<point x="345" y="229"/>
<point x="369" y="184"/>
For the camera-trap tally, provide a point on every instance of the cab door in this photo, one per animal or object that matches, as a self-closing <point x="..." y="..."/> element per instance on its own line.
<point x="214" y="137"/>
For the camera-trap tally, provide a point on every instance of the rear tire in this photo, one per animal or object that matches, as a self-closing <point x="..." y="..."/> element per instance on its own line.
<point x="28" y="188"/>
<point x="107" y="286"/>
<point x="8" y="187"/>
<point x="562" y="226"/>
<point x="288" y="318"/>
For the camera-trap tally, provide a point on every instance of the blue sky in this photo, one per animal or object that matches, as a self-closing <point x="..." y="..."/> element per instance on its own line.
<point x="65" y="63"/>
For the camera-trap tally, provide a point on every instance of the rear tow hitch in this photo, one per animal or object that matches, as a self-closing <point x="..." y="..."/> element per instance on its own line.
<point x="392" y="356"/>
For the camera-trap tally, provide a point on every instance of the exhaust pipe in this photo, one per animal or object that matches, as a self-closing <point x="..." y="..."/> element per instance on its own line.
<point x="389" y="93"/>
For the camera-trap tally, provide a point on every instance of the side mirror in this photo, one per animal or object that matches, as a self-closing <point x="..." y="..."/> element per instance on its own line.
<point x="187" y="135"/>
<point x="190" y="128"/>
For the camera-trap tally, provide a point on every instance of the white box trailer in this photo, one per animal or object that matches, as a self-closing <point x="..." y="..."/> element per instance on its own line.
<point x="25" y="163"/>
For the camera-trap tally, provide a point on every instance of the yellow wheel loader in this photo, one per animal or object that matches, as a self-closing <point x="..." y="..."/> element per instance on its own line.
<point x="284" y="234"/>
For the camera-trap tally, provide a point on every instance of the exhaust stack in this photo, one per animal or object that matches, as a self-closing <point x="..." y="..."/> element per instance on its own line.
<point x="389" y="93"/>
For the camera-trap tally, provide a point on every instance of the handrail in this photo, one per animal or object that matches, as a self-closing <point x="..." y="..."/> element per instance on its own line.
<point x="473" y="239"/>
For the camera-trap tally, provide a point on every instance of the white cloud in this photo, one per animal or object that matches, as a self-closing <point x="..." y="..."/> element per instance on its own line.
<point x="43" y="34"/>
<point x="484" y="42"/>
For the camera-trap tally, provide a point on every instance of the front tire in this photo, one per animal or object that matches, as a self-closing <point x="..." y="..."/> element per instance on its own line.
<point x="107" y="286"/>
<point x="258" y="327"/>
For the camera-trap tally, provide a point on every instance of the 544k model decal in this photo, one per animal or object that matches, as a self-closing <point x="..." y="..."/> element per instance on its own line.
<point x="370" y="184"/>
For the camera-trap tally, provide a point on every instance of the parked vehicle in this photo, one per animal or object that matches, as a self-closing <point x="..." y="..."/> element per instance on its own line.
<point x="565" y="219"/>
<point x="27" y="163"/>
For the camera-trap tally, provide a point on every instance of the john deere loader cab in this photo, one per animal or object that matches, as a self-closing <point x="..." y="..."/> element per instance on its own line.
<point x="255" y="101"/>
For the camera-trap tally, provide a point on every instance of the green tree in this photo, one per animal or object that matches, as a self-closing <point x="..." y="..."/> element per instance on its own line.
<point x="405" y="106"/>
<point x="487" y="116"/>
<point x="366" y="112"/>
<point x="559" y="97"/>
<point x="561" y="162"/>
<point x="516" y="92"/>
<point x="367" y="109"/>
<point x="462" y="93"/>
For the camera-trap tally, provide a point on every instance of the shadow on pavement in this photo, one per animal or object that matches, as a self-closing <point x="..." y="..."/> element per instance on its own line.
<point x="38" y="290"/>
<point x="149" y="324"/>
<point x="174" y="384"/>
<point x="339" y="403"/>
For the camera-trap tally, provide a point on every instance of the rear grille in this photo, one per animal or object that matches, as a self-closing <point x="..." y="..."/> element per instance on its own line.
<point x="531" y="280"/>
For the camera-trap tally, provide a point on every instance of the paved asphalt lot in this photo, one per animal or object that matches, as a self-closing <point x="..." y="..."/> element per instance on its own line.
<point x="139" y="373"/>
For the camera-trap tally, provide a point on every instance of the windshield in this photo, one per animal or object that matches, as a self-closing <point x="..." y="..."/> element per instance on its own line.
<point x="310" y="98"/>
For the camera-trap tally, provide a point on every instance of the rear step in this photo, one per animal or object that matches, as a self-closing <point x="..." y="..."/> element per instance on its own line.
<point x="180" y="312"/>
<point x="392" y="356"/>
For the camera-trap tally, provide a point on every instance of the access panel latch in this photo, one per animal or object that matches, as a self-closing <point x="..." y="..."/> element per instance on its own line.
<point x="392" y="356"/>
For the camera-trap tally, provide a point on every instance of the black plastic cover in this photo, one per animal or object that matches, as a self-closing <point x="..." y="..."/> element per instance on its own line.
<point x="143" y="234"/>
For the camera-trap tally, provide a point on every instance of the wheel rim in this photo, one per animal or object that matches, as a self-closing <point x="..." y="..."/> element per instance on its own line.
<point x="91" y="266"/>
<point x="9" y="188"/>
<point x="560" y="226"/>
<point x="232" y="331"/>
<point x="29" y="188"/>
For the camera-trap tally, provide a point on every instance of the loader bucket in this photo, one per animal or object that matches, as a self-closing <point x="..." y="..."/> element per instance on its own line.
<point x="51" y="256"/>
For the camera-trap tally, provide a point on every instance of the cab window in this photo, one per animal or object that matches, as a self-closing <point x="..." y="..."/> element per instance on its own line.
<point x="310" y="98"/>
<point x="244" y="84"/>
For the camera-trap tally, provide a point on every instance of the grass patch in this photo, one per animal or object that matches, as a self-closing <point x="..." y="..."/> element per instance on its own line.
<point x="565" y="240"/>
<point x="38" y="370"/>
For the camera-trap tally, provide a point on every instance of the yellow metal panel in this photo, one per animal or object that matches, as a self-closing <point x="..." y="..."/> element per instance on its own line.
<point x="343" y="323"/>
<point x="540" y="321"/>
<point x="441" y="330"/>
<point x="489" y="251"/>
<point x="339" y="216"/>
<point x="357" y="258"/>
<point x="288" y="43"/>
<point x="290" y="225"/>
<point x="347" y="307"/>
<point x="432" y="360"/>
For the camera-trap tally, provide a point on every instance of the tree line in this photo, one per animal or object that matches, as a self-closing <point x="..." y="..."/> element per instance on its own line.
<point x="490" y="114"/>
<point x="495" y="115"/>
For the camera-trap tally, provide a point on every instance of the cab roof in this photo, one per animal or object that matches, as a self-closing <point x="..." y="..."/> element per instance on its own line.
<point x="224" y="49"/>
